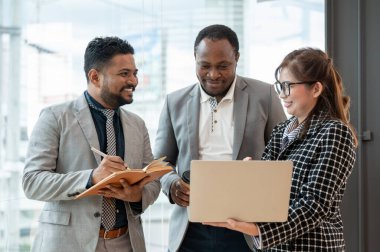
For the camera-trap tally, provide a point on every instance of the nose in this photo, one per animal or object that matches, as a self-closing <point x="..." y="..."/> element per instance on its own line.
<point x="133" y="80"/>
<point x="213" y="73"/>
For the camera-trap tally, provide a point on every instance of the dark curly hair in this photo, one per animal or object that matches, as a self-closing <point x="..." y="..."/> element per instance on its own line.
<point x="101" y="50"/>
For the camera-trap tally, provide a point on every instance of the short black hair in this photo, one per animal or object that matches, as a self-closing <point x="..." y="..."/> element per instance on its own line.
<point x="218" y="32"/>
<point x="101" y="50"/>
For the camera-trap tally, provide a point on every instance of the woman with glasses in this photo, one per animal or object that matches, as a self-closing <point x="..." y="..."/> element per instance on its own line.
<point x="320" y="141"/>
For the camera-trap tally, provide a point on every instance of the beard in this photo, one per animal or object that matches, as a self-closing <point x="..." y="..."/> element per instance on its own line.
<point x="113" y="100"/>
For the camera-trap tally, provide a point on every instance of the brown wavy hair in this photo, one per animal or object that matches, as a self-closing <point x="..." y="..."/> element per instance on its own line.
<point x="313" y="64"/>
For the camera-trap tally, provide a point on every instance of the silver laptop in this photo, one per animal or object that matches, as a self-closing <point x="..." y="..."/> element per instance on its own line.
<point x="252" y="191"/>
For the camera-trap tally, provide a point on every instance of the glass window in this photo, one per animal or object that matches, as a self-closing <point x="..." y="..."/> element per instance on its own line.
<point x="42" y="43"/>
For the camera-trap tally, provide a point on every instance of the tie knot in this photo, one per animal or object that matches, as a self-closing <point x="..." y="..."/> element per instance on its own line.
<point x="213" y="102"/>
<point x="108" y="113"/>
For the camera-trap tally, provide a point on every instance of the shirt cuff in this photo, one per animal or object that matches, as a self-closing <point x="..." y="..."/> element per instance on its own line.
<point x="257" y="241"/>
<point x="89" y="182"/>
<point x="136" y="207"/>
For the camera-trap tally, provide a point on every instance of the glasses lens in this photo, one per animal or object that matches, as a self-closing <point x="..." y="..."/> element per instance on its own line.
<point x="278" y="87"/>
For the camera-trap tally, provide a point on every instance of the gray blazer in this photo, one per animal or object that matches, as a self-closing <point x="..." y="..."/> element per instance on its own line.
<point x="257" y="110"/>
<point x="59" y="163"/>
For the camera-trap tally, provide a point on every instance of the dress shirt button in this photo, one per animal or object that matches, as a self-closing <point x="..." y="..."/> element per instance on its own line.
<point x="215" y="110"/>
<point x="97" y="214"/>
<point x="215" y="121"/>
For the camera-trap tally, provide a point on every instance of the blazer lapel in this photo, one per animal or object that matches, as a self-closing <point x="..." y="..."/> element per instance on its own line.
<point x="86" y="123"/>
<point x="192" y="119"/>
<point x="133" y="144"/>
<point x="240" y="116"/>
<point x="128" y="134"/>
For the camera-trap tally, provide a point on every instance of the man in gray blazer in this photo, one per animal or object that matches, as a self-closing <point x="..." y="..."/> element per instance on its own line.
<point x="60" y="163"/>
<point x="223" y="117"/>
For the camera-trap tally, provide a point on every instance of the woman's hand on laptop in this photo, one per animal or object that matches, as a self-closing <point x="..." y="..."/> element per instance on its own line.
<point x="248" y="228"/>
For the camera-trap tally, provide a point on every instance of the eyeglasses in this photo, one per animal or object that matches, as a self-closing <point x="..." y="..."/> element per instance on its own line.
<point x="285" y="86"/>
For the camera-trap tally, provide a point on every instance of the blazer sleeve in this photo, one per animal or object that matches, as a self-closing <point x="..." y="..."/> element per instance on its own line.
<point x="166" y="145"/>
<point x="328" y="175"/>
<point x="40" y="179"/>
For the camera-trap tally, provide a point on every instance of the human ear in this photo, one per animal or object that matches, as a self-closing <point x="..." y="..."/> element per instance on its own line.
<point x="317" y="89"/>
<point x="237" y="56"/>
<point x="94" y="78"/>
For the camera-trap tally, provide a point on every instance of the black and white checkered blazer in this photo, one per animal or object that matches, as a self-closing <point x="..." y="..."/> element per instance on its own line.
<point x="323" y="161"/>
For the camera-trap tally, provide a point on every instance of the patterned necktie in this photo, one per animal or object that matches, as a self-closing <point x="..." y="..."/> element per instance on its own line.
<point x="109" y="204"/>
<point x="213" y="105"/>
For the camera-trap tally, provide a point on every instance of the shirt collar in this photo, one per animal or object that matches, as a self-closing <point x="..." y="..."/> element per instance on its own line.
<point x="92" y="101"/>
<point x="228" y="97"/>
<point x="293" y="129"/>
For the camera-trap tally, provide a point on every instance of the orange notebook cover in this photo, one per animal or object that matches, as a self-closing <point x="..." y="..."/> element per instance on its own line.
<point x="156" y="169"/>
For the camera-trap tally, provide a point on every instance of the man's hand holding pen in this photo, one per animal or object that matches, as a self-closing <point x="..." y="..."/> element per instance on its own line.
<point x="109" y="165"/>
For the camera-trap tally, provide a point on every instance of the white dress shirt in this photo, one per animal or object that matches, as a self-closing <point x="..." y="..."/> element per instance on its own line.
<point x="216" y="128"/>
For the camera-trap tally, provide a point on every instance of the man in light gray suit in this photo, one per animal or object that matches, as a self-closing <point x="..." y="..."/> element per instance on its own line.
<point x="223" y="117"/>
<point x="60" y="163"/>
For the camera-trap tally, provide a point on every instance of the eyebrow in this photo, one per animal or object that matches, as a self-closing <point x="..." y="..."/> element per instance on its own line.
<point x="128" y="69"/>
<point x="219" y="63"/>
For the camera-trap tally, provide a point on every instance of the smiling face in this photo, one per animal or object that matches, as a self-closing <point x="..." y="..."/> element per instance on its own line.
<point x="216" y="62"/>
<point x="113" y="86"/>
<point x="302" y="98"/>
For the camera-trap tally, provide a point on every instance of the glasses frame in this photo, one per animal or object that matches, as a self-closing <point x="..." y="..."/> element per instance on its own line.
<point x="285" y="86"/>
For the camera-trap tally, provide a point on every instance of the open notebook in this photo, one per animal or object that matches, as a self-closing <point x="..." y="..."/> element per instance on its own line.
<point x="154" y="169"/>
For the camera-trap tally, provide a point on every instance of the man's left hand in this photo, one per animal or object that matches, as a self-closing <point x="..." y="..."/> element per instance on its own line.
<point x="130" y="193"/>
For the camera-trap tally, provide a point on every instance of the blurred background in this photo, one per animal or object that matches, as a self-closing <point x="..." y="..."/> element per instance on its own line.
<point x="42" y="43"/>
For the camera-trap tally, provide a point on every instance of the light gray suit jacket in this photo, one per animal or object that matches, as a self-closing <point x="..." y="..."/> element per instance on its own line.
<point x="257" y="110"/>
<point x="59" y="163"/>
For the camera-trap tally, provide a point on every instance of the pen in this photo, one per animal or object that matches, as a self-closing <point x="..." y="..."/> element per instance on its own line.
<point x="102" y="154"/>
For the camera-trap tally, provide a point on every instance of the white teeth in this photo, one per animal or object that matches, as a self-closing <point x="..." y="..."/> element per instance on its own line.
<point x="128" y="89"/>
